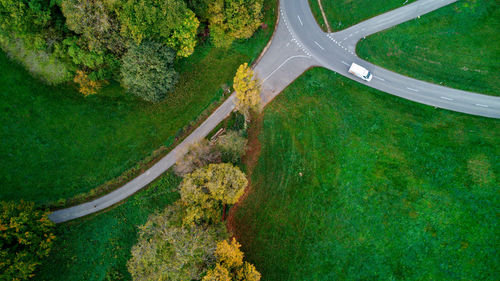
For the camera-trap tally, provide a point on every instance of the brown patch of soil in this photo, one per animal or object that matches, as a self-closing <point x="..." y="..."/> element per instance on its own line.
<point x="250" y="160"/>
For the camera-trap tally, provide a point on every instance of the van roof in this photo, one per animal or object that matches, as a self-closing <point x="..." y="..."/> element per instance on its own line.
<point x="358" y="69"/>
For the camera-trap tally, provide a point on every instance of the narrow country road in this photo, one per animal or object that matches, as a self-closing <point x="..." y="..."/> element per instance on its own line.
<point x="298" y="44"/>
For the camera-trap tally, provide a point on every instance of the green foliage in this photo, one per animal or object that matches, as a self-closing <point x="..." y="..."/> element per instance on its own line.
<point x="206" y="189"/>
<point x="356" y="184"/>
<point x="147" y="71"/>
<point x="46" y="66"/>
<point x="233" y="19"/>
<point x="167" y="250"/>
<point x="232" y="146"/>
<point x="170" y="22"/>
<point x="96" y="22"/>
<point x="25" y="239"/>
<point x="24" y="16"/>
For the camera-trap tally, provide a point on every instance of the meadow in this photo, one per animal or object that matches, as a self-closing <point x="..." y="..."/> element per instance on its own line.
<point x="455" y="46"/>
<point x="356" y="184"/>
<point x="342" y="14"/>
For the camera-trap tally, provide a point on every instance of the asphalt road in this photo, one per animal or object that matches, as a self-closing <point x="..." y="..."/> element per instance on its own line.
<point x="298" y="44"/>
<point x="336" y="51"/>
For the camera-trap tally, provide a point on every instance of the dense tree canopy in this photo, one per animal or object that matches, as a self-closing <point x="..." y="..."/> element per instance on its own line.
<point x="209" y="188"/>
<point x="167" y="250"/>
<point x="147" y="70"/>
<point x="198" y="155"/>
<point x="25" y="239"/>
<point x="233" y="19"/>
<point x="170" y="22"/>
<point x="96" y="21"/>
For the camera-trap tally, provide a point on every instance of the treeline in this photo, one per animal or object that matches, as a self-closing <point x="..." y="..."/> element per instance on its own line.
<point x="131" y="41"/>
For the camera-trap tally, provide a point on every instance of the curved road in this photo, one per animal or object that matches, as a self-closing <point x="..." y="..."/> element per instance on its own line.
<point x="298" y="44"/>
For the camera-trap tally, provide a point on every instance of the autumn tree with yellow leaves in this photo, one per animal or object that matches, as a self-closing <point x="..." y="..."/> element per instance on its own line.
<point x="247" y="88"/>
<point x="209" y="189"/>
<point x="230" y="265"/>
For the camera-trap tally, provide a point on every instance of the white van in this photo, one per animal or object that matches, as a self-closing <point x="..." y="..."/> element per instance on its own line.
<point x="360" y="72"/>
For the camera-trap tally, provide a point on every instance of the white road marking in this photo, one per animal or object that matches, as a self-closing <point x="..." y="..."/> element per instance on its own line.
<point x="350" y="35"/>
<point x="345" y="63"/>
<point x="288" y="44"/>
<point x="381" y="79"/>
<point x="411" y="89"/>
<point x="345" y="38"/>
<point x="300" y="20"/>
<point x="446" y="98"/>
<point x="481" y="105"/>
<point x="319" y="45"/>
<point x="297" y="56"/>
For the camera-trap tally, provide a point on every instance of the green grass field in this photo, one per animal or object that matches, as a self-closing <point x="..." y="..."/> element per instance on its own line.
<point x="98" y="247"/>
<point x="456" y="46"/>
<point x="342" y="14"/>
<point x="390" y="189"/>
<point x="57" y="144"/>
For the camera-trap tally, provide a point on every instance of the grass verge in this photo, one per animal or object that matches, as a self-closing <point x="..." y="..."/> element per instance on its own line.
<point x="453" y="46"/>
<point x="342" y="14"/>
<point x="57" y="144"/>
<point x="355" y="184"/>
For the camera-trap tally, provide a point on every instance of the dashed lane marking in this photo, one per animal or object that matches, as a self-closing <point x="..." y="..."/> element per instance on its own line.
<point x="481" y="105"/>
<point x="319" y="45"/>
<point x="381" y="79"/>
<point x="446" y="98"/>
<point x="411" y="89"/>
<point x="345" y="63"/>
<point x="300" y="20"/>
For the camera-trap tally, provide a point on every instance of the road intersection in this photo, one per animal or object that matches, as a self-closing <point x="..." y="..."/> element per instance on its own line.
<point x="297" y="45"/>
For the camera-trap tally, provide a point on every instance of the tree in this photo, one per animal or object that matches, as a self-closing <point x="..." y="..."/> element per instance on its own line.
<point x="96" y="21"/>
<point x="233" y="19"/>
<point x="207" y="189"/>
<point x="25" y="16"/>
<point x="230" y="265"/>
<point x="167" y="250"/>
<point x="147" y="71"/>
<point x="87" y="86"/>
<point x="199" y="154"/>
<point x="231" y="146"/>
<point x="167" y="21"/>
<point x="25" y="239"/>
<point x="247" y="90"/>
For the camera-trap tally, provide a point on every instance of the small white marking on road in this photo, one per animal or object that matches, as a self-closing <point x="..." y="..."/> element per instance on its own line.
<point x="357" y="32"/>
<point x="350" y="35"/>
<point x="411" y="89"/>
<point x="345" y="38"/>
<point x="319" y="45"/>
<point x="300" y="20"/>
<point x="345" y="63"/>
<point x="381" y="79"/>
<point x="481" y="105"/>
<point x="446" y="98"/>
<point x="288" y="44"/>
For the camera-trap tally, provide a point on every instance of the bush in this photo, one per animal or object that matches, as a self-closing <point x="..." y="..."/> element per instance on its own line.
<point x="147" y="71"/>
<point x="199" y="154"/>
<point x="25" y="239"/>
<point x="231" y="146"/>
<point x="167" y="250"/>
